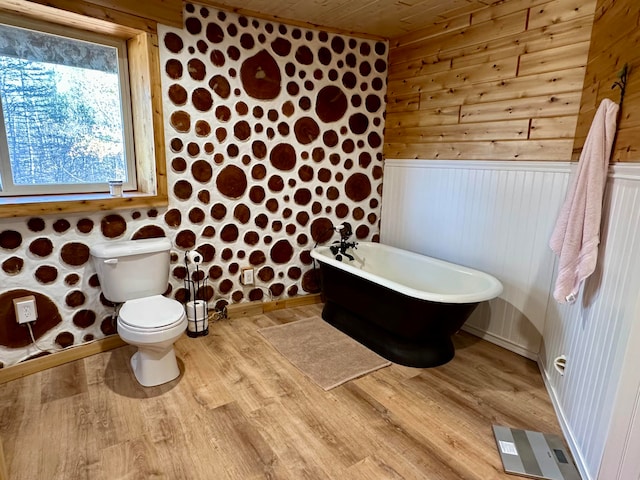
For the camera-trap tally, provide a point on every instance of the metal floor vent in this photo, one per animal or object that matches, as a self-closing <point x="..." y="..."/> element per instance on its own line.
<point x="534" y="454"/>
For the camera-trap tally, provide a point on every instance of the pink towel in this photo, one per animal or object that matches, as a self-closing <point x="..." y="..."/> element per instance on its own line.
<point x="576" y="235"/>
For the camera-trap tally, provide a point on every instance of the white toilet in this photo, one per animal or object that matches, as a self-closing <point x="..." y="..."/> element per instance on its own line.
<point x="136" y="272"/>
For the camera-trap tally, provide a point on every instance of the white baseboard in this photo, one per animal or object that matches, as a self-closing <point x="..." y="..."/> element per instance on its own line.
<point x="501" y="342"/>
<point x="564" y="425"/>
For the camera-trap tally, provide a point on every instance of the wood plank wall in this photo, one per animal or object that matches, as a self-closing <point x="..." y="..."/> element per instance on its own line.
<point x="500" y="83"/>
<point x="615" y="41"/>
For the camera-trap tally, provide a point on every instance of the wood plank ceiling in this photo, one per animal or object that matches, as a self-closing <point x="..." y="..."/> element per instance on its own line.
<point x="380" y="18"/>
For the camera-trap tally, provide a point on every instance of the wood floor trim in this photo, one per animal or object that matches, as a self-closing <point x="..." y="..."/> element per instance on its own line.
<point x="257" y="308"/>
<point x="39" y="364"/>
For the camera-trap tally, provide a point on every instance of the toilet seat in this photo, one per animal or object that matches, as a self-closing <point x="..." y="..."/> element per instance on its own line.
<point x="151" y="313"/>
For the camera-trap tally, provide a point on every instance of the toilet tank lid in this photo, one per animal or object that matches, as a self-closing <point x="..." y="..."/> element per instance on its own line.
<point x="130" y="247"/>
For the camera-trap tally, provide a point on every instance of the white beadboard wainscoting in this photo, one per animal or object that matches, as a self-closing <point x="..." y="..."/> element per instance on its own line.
<point x="595" y="334"/>
<point x="490" y="215"/>
<point x="497" y="217"/>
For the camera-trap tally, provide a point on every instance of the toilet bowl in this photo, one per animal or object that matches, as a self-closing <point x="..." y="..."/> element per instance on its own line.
<point x="134" y="274"/>
<point x="152" y="324"/>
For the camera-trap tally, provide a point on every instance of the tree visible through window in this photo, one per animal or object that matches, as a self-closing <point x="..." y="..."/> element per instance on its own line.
<point x="64" y="126"/>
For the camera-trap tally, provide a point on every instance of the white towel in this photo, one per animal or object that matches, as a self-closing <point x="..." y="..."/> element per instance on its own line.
<point x="576" y="235"/>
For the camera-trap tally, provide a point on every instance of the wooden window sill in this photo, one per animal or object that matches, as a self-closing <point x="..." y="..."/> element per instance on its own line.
<point x="74" y="203"/>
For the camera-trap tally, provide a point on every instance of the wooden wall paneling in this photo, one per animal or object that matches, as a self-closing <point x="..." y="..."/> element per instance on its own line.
<point x="541" y="106"/>
<point x="498" y="130"/>
<point x="500" y="27"/>
<point x="589" y="99"/>
<point x="627" y="148"/>
<point x="403" y="104"/>
<point x="553" y="127"/>
<point x="554" y="59"/>
<point x="489" y="55"/>
<point x="559" y="34"/>
<point x="607" y="61"/>
<point x="518" y="87"/>
<point x="560" y="12"/>
<point x="615" y="41"/>
<point x="454" y="77"/>
<point x="436" y="116"/>
<point x="631" y="116"/>
<point x="549" y="150"/>
<point x="531" y="40"/>
<point x="526" y="42"/>
<point x="602" y="74"/>
<point x="505" y="68"/>
<point x="614" y="21"/>
<point x="416" y="68"/>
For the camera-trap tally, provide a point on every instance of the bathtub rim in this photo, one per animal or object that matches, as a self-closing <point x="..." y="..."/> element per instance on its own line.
<point x="493" y="290"/>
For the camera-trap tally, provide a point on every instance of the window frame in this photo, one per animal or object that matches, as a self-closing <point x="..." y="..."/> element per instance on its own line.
<point x="140" y="36"/>
<point x="120" y="45"/>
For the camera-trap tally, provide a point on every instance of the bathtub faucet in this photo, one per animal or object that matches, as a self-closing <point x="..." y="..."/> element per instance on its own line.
<point x="339" y="248"/>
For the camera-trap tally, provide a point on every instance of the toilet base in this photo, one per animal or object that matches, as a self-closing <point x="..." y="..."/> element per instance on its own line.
<point x="152" y="368"/>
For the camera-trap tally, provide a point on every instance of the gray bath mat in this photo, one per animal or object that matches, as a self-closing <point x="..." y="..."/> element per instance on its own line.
<point x="324" y="354"/>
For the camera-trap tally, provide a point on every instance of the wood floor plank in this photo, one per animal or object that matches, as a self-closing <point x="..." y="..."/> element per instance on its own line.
<point x="241" y="411"/>
<point x="64" y="381"/>
<point x="66" y="421"/>
<point x="295" y="444"/>
<point x="394" y="437"/>
<point x="132" y="460"/>
<point x="243" y="450"/>
<point x="19" y="419"/>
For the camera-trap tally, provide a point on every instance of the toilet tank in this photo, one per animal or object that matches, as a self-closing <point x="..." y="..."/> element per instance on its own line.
<point x="132" y="268"/>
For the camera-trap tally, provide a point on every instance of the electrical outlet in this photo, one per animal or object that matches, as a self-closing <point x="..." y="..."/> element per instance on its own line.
<point x="246" y="277"/>
<point x="25" y="308"/>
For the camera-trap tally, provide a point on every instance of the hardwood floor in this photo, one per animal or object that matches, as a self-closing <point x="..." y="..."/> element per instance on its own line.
<point x="242" y="411"/>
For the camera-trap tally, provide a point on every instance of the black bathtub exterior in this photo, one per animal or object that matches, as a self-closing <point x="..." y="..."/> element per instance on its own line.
<point x="403" y="329"/>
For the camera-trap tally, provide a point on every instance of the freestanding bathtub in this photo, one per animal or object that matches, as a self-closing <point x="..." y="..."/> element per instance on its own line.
<point x="402" y="305"/>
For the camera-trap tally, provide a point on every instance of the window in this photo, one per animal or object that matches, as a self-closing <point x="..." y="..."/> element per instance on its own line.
<point x="86" y="38"/>
<point x="65" y="121"/>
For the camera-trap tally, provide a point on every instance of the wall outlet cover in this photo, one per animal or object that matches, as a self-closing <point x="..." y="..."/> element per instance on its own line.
<point x="25" y="308"/>
<point x="247" y="277"/>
